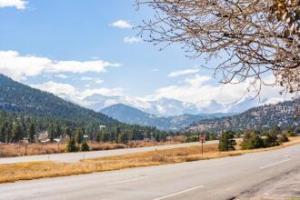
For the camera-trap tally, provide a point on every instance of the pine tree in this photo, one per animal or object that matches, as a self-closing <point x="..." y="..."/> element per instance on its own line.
<point x="252" y="140"/>
<point x="227" y="142"/>
<point x="99" y="137"/>
<point x="124" y="138"/>
<point x="51" y="132"/>
<point x="32" y="133"/>
<point x="17" y="132"/>
<point x="79" y="136"/>
<point x="68" y="132"/>
<point x="58" y="131"/>
<point x="71" y="147"/>
<point x="85" y="146"/>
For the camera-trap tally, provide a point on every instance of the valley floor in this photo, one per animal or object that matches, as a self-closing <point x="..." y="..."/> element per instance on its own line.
<point x="28" y="168"/>
<point x="216" y="179"/>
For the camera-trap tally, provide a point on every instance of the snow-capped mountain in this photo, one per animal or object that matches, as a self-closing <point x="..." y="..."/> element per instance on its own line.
<point x="131" y="115"/>
<point x="171" y="107"/>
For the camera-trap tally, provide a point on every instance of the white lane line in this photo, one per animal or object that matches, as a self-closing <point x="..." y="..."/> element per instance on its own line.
<point x="275" y="164"/>
<point x="127" y="181"/>
<point x="178" y="193"/>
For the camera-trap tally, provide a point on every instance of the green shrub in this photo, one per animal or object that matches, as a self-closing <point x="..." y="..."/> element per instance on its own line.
<point x="252" y="140"/>
<point x="85" y="147"/>
<point x="291" y="133"/>
<point x="282" y="138"/>
<point x="270" y="140"/>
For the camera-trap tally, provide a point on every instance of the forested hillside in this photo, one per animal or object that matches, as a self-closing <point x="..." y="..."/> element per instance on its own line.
<point x="18" y="98"/>
<point x="285" y="114"/>
<point x="26" y="111"/>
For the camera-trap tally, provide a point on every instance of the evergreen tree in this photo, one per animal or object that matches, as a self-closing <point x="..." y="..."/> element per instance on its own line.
<point x="51" y="132"/>
<point x="124" y="138"/>
<point x="68" y="132"/>
<point x="79" y="136"/>
<point x="227" y="142"/>
<point x="106" y="137"/>
<point x="85" y="146"/>
<point x="32" y="133"/>
<point x="118" y="134"/>
<point x="71" y="147"/>
<point x="17" y="132"/>
<point x="290" y="132"/>
<point x="271" y="140"/>
<point x="58" y="131"/>
<point x="99" y="137"/>
<point x="252" y="140"/>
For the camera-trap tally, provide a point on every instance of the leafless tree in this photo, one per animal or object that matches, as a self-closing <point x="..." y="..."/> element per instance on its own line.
<point x="252" y="37"/>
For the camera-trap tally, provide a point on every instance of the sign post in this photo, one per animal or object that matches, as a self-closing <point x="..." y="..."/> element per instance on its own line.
<point x="202" y="138"/>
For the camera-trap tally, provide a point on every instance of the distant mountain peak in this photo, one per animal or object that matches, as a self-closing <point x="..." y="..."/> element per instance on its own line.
<point x="131" y="115"/>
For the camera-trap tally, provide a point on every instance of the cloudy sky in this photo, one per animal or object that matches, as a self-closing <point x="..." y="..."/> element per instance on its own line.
<point x="76" y="49"/>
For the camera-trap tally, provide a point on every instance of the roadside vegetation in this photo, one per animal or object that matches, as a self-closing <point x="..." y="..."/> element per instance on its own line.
<point x="35" y="170"/>
<point x="252" y="139"/>
<point x="14" y="150"/>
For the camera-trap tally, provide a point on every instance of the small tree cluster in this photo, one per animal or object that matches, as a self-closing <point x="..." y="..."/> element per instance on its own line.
<point x="252" y="140"/>
<point x="256" y="139"/>
<point x="74" y="146"/>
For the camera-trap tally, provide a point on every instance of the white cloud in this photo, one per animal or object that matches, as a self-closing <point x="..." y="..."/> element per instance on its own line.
<point x="91" y="80"/>
<point x="202" y="90"/>
<point x="123" y="24"/>
<point x="102" y="91"/>
<point x="60" y="89"/>
<point x="21" y="66"/>
<point x="18" y="4"/>
<point x="74" y="94"/>
<point x="99" y="81"/>
<point x="132" y="40"/>
<point x="86" y="78"/>
<point x="198" y="92"/>
<point x="184" y="72"/>
<point x="62" y="76"/>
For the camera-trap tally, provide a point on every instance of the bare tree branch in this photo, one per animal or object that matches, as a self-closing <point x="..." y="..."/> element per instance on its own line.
<point x="257" y="36"/>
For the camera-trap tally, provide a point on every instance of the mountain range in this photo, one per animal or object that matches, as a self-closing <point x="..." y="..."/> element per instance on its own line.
<point x="284" y="114"/>
<point x="131" y="115"/>
<point x="167" y="107"/>
<point x="19" y="98"/>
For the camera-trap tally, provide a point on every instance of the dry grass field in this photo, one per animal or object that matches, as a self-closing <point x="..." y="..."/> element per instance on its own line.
<point x="14" y="150"/>
<point x="35" y="170"/>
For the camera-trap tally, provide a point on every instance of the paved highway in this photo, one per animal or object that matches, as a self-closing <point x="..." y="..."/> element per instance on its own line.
<point x="218" y="179"/>
<point x="74" y="157"/>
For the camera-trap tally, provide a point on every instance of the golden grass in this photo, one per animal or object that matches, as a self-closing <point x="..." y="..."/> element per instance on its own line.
<point x="14" y="150"/>
<point x="35" y="170"/>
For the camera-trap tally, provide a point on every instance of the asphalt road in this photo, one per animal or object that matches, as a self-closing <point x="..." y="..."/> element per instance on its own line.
<point x="223" y="179"/>
<point x="74" y="157"/>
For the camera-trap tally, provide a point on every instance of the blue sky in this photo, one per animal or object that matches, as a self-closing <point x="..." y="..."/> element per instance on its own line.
<point x="42" y="41"/>
<point x="77" y="30"/>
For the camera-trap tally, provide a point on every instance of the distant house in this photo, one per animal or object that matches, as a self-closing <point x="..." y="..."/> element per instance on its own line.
<point x="102" y="127"/>
<point x="24" y="141"/>
<point x="43" y="137"/>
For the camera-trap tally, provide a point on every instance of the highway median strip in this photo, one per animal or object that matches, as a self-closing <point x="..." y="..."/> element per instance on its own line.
<point x="36" y="170"/>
